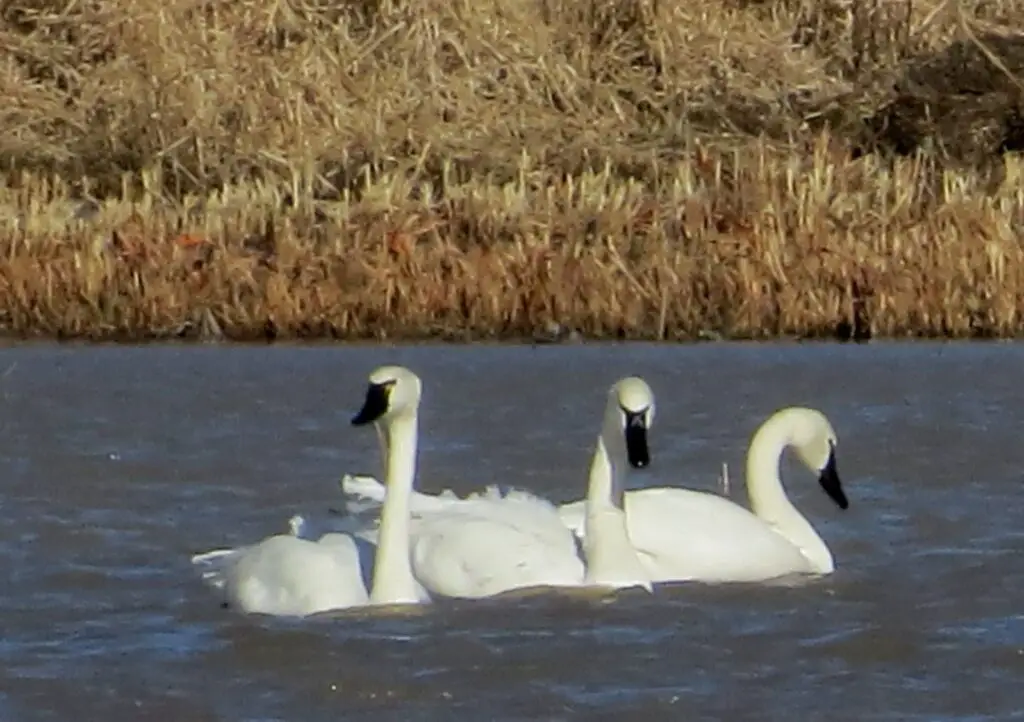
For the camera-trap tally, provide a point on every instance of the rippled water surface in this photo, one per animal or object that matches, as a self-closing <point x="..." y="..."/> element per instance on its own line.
<point x="118" y="463"/>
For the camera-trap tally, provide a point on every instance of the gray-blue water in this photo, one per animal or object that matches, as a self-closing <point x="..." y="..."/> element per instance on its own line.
<point x="118" y="463"/>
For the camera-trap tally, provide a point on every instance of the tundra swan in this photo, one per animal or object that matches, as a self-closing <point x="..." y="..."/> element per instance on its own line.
<point x="683" y="534"/>
<point x="490" y="543"/>
<point x="288" y="575"/>
<point x="483" y="547"/>
<point x="611" y="559"/>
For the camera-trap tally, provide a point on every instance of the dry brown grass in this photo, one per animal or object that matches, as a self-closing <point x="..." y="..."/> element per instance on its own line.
<point x="473" y="168"/>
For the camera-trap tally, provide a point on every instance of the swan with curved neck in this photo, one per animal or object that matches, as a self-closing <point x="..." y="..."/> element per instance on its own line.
<point x="813" y="439"/>
<point x="487" y="543"/>
<point x="292" y="576"/>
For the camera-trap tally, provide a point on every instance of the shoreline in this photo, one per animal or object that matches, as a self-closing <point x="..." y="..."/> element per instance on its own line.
<point x="14" y="342"/>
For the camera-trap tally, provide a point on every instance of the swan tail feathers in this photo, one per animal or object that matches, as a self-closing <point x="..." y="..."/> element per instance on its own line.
<point x="212" y="565"/>
<point x="297" y="526"/>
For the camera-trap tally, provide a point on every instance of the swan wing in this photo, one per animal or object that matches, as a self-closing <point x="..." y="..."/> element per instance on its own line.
<point x="472" y="553"/>
<point x="520" y="505"/>
<point x="365" y="493"/>
<point x="528" y="513"/>
<point x="683" y="534"/>
<point x="286" y="575"/>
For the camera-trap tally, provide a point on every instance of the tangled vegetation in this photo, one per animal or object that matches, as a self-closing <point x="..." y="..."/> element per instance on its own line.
<point x="470" y="169"/>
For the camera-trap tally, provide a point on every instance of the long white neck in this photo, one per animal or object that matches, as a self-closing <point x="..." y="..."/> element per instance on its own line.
<point x="768" y="498"/>
<point x="393" y="581"/>
<point x="611" y="558"/>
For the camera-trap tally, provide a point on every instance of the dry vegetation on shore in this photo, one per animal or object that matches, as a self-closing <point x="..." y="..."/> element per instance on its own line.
<point x="503" y="168"/>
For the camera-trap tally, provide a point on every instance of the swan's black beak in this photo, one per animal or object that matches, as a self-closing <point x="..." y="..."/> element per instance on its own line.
<point x="636" y="439"/>
<point x="829" y="480"/>
<point x="378" y="397"/>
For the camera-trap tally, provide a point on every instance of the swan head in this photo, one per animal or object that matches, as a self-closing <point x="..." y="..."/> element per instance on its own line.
<point x="392" y="391"/>
<point x="814" y="441"/>
<point x="631" y="410"/>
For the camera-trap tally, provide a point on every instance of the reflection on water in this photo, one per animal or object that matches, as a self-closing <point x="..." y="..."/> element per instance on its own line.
<point x="119" y="463"/>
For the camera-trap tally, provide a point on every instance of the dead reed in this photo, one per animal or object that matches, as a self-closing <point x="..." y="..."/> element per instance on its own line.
<point x="630" y="169"/>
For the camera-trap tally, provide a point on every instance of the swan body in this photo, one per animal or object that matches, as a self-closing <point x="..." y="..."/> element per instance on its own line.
<point x="489" y="547"/>
<point x="289" y="575"/>
<point x="689" y="535"/>
<point x="286" y="575"/>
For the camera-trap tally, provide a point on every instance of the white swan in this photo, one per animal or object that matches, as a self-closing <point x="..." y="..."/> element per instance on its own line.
<point x="489" y="543"/>
<point x="611" y="558"/>
<point x="682" y="534"/>
<point x="485" y="546"/>
<point x="291" y="576"/>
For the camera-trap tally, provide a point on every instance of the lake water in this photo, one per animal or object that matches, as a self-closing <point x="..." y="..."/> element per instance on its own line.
<point x="118" y="463"/>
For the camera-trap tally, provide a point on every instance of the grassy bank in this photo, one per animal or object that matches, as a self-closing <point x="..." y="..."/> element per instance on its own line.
<point x="476" y="169"/>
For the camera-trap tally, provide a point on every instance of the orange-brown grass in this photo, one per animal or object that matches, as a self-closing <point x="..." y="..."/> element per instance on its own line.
<point x="816" y="249"/>
<point x="476" y="168"/>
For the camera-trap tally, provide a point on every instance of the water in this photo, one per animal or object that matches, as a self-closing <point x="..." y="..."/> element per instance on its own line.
<point x="118" y="463"/>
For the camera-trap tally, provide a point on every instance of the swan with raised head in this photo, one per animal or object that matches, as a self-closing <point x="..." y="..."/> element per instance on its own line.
<point x="612" y="560"/>
<point x="489" y="543"/>
<point x="683" y="534"/>
<point x="485" y="547"/>
<point x="289" y="575"/>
